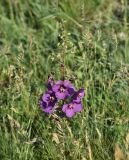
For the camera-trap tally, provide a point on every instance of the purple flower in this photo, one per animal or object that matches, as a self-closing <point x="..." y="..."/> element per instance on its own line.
<point x="50" y="83"/>
<point x="78" y="96"/>
<point x="63" y="89"/>
<point x="71" y="108"/>
<point x="48" y="102"/>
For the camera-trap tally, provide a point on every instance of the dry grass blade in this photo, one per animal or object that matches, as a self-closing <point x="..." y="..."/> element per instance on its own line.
<point x="127" y="145"/>
<point x="13" y="122"/>
<point x="34" y="140"/>
<point x="119" y="153"/>
<point x="55" y="138"/>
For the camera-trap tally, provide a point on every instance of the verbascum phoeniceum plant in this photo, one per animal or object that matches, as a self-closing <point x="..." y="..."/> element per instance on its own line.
<point x="63" y="91"/>
<point x="62" y="96"/>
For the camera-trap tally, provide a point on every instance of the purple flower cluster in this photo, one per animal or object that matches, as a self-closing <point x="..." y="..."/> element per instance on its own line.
<point x="62" y="90"/>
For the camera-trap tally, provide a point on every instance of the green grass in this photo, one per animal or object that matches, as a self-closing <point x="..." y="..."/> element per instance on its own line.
<point x="92" y="36"/>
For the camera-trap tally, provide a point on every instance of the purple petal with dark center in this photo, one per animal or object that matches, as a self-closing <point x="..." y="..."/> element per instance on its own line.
<point x="70" y="113"/>
<point x="51" y="104"/>
<point x="75" y="98"/>
<point x="81" y="93"/>
<point x="77" y="107"/>
<point x="57" y="85"/>
<point x="46" y="97"/>
<point x="78" y="96"/>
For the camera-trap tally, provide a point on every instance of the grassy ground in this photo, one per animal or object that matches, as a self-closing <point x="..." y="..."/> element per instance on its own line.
<point x="91" y="37"/>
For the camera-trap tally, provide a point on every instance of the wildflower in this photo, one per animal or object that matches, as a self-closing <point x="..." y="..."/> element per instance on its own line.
<point x="63" y="89"/>
<point x="50" y="83"/>
<point x="71" y="108"/>
<point x="48" y="102"/>
<point x="77" y="97"/>
<point x="45" y="108"/>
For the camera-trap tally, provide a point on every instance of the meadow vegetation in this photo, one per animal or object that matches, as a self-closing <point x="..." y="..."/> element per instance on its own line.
<point x="91" y="38"/>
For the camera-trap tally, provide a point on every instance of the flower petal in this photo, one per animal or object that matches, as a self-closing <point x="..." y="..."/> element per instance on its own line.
<point x="60" y="82"/>
<point x="68" y="84"/>
<point x="48" y="110"/>
<point x="77" y="107"/>
<point x="50" y="83"/>
<point x="78" y="96"/>
<point x="49" y="86"/>
<point x="42" y="104"/>
<point x="51" y="104"/>
<point x="46" y="97"/>
<point x="60" y="95"/>
<point x="81" y="93"/>
<point x="56" y="87"/>
<point x="71" y="90"/>
<point x="70" y="113"/>
<point x="64" y="107"/>
<point x="77" y="100"/>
